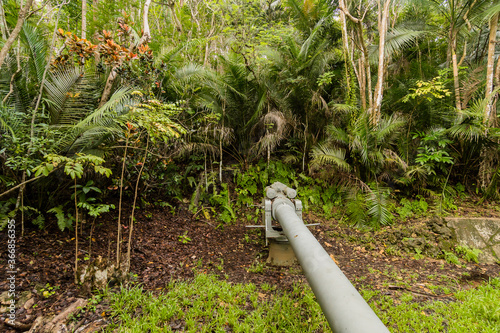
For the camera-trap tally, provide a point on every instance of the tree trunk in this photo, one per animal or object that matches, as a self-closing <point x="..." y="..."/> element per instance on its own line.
<point x="84" y="19"/>
<point x="23" y="13"/>
<point x="343" y="24"/>
<point x="109" y="85"/>
<point x="489" y="115"/>
<point x="368" y="70"/>
<point x="346" y="49"/>
<point x="177" y="23"/>
<point x="383" y="17"/>
<point x="456" y="82"/>
<point x="3" y="24"/>
<point x="362" y="83"/>
<point x="146" y="35"/>
<point x="76" y="236"/>
<point x="364" y="75"/>
<point x="94" y="9"/>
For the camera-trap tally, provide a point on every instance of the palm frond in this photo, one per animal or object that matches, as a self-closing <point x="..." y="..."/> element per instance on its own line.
<point x="21" y="96"/>
<point x="387" y="127"/>
<point x="489" y="12"/>
<point x="169" y="55"/>
<point x="298" y="12"/>
<point x="377" y="208"/>
<point x="356" y="208"/>
<point x="391" y="156"/>
<point x="400" y="38"/>
<point x="190" y="72"/>
<point x="343" y="108"/>
<point x="322" y="155"/>
<point x="306" y="45"/>
<point x="189" y="148"/>
<point x="36" y="45"/>
<point x="338" y="134"/>
<point x="4" y="126"/>
<point x="469" y="125"/>
<point x="260" y="106"/>
<point x="119" y="103"/>
<point x="58" y="89"/>
<point x="275" y="126"/>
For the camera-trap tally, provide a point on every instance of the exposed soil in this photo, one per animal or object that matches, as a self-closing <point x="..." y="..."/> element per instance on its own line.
<point x="160" y="253"/>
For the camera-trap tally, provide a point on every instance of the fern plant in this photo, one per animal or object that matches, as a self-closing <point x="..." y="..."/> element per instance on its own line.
<point x="369" y="209"/>
<point x="64" y="220"/>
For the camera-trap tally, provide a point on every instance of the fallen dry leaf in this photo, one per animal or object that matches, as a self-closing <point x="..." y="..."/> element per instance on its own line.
<point x="333" y="258"/>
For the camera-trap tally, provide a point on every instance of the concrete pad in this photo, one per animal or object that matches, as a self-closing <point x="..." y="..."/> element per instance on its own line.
<point x="281" y="254"/>
<point x="478" y="233"/>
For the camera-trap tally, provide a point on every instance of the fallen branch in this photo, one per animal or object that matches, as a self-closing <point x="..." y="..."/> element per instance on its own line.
<point x="18" y="326"/>
<point x="19" y="185"/>
<point x="421" y="293"/>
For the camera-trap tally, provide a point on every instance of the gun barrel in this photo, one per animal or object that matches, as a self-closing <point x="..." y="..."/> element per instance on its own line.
<point x="344" y="308"/>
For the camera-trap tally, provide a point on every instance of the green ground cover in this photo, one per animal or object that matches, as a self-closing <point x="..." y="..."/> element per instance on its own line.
<point x="207" y="304"/>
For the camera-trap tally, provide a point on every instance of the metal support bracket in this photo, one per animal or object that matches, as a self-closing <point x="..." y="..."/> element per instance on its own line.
<point x="278" y="193"/>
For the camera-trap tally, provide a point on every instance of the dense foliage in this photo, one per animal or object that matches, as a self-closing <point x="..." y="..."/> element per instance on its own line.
<point x="364" y="101"/>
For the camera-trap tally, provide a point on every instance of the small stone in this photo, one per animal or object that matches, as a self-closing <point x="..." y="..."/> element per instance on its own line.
<point x="29" y="303"/>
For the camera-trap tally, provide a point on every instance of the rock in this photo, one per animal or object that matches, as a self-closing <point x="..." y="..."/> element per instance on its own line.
<point x="29" y="303"/>
<point x="433" y="250"/>
<point x="38" y="324"/>
<point x="391" y="238"/>
<point x="24" y="296"/>
<point x="18" y="326"/>
<point x="439" y="226"/>
<point x="99" y="273"/>
<point x="411" y="244"/>
<point x="447" y="245"/>
<point x="4" y="298"/>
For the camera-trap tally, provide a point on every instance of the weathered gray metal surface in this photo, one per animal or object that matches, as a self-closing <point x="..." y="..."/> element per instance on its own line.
<point x="344" y="308"/>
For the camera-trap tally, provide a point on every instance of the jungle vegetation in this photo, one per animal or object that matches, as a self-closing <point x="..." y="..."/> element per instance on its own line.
<point x="360" y="101"/>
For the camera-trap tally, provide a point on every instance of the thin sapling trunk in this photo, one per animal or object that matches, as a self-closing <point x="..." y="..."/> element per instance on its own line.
<point x="76" y="236"/>
<point x="131" y="228"/>
<point x="118" y="237"/>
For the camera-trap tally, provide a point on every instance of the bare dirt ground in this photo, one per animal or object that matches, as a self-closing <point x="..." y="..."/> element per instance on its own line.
<point x="160" y="253"/>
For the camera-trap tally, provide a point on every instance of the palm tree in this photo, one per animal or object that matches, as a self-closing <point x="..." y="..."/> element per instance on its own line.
<point x="365" y="151"/>
<point x="241" y="97"/>
<point x="364" y="155"/>
<point x="295" y="71"/>
<point x="458" y="15"/>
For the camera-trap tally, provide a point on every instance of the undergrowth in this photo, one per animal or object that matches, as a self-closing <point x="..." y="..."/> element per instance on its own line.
<point x="372" y="206"/>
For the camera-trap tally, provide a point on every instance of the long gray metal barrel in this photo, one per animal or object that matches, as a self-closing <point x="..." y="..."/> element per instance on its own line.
<point x="344" y="308"/>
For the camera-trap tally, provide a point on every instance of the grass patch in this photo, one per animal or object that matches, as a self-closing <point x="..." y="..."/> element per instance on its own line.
<point x="207" y="304"/>
<point x="475" y="310"/>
